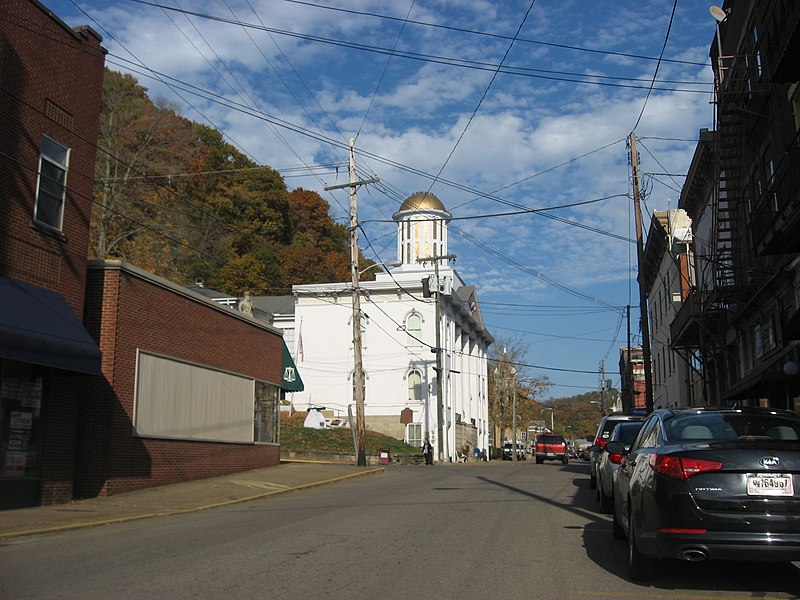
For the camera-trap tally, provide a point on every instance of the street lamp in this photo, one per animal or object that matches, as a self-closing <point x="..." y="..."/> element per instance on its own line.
<point x="599" y="405"/>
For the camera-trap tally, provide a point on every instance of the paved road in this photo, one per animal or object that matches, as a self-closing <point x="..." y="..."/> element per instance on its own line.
<point x="487" y="531"/>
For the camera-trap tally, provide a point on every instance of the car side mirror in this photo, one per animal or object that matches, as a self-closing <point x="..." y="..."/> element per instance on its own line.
<point x="594" y="448"/>
<point x="616" y="447"/>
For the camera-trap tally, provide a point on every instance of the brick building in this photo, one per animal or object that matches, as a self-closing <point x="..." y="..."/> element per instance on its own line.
<point x="191" y="388"/>
<point x="51" y="82"/>
<point x="740" y="324"/>
<point x="184" y="388"/>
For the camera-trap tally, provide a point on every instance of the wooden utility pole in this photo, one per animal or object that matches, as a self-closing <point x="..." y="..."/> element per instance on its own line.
<point x="648" y="374"/>
<point x="358" y="366"/>
<point x="439" y="350"/>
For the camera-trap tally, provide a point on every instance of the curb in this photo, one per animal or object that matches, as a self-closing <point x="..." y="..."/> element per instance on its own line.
<point x="181" y="511"/>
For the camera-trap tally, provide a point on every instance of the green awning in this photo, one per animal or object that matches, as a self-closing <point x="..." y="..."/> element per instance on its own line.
<point x="290" y="380"/>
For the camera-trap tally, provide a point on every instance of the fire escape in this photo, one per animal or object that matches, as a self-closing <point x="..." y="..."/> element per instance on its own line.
<point x="739" y="90"/>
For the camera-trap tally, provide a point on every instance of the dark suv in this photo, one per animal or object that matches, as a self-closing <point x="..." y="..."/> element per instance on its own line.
<point x="550" y="446"/>
<point x="607" y="423"/>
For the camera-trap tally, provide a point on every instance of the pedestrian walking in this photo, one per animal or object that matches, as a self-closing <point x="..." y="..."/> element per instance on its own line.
<point x="427" y="452"/>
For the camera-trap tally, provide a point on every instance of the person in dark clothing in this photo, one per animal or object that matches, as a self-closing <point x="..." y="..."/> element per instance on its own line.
<point x="427" y="452"/>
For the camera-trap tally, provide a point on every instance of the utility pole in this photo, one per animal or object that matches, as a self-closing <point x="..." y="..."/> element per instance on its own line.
<point x="358" y="366"/>
<point x="602" y="388"/>
<point x="514" y="414"/>
<point x="438" y="350"/>
<point x="648" y="375"/>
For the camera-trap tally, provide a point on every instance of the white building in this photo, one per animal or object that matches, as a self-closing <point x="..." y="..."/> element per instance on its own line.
<point x="399" y="341"/>
<point x="668" y="279"/>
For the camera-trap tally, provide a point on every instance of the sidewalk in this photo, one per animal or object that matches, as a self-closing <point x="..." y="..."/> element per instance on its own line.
<point x="178" y="498"/>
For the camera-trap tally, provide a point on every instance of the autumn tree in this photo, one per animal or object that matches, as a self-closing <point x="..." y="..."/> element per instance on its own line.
<point x="508" y="380"/>
<point x="175" y="198"/>
<point x="139" y="145"/>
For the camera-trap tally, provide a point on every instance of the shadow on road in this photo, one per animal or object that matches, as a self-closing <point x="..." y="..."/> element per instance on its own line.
<point x="759" y="579"/>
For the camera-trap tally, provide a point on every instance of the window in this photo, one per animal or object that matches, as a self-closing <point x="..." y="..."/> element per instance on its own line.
<point x="52" y="185"/>
<point x="414" y="329"/>
<point x="183" y="401"/>
<point x="21" y="420"/>
<point x="265" y="415"/>
<point x="764" y="339"/>
<point x="414" y="386"/>
<point x="414" y="434"/>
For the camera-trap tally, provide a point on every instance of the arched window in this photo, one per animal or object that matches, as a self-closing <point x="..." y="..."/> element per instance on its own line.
<point x="414" y="386"/>
<point x="414" y="329"/>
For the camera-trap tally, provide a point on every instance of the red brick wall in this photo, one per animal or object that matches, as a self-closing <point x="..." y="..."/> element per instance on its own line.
<point x="126" y="311"/>
<point x="52" y="82"/>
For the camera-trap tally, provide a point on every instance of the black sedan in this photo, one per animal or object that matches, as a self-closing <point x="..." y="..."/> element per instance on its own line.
<point x="706" y="483"/>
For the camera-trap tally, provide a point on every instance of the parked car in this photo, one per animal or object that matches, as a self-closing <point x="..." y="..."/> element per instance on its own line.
<point x="582" y="449"/>
<point x="705" y="483"/>
<point x="624" y="431"/>
<point x="551" y="446"/>
<point x="607" y="423"/>
<point x="507" y="451"/>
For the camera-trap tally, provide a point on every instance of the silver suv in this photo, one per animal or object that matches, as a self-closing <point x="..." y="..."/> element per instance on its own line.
<point x="607" y="423"/>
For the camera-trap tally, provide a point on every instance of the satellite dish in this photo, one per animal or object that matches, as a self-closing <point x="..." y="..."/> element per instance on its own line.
<point x="719" y="14"/>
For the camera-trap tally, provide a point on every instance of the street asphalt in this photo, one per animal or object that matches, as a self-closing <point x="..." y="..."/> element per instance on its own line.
<point x="177" y="498"/>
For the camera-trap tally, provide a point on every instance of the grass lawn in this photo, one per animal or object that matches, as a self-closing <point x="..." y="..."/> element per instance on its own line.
<point x="297" y="438"/>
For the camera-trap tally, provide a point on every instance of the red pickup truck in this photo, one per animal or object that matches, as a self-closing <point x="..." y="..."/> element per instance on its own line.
<point x="551" y="446"/>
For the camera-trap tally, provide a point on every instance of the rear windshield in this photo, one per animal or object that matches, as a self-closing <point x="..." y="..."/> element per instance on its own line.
<point x="550" y="439"/>
<point x="628" y="431"/>
<point x="611" y="423"/>
<point x="732" y="426"/>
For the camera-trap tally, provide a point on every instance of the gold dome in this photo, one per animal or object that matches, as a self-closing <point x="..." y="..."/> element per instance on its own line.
<point x="422" y="201"/>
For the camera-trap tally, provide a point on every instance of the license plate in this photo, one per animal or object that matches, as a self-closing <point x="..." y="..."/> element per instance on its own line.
<point x="770" y="485"/>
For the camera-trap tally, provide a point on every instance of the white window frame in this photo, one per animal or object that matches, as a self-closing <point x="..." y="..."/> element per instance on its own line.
<point x="51" y="193"/>
<point x="411" y="437"/>
<point x="414" y="335"/>
<point x="414" y="380"/>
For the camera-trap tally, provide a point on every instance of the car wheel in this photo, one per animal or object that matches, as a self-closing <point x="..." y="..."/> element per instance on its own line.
<point x="616" y="529"/>
<point x="640" y="567"/>
<point x="606" y="503"/>
<point x="565" y="461"/>
<point x="539" y="460"/>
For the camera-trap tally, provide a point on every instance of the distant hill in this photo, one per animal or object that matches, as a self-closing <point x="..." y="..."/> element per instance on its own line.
<point x="175" y="198"/>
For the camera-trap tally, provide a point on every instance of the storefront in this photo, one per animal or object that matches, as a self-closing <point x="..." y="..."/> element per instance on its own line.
<point x="42" y="343"/>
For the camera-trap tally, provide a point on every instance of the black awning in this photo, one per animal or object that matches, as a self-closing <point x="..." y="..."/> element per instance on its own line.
<point x="291" y="381"/>
<point x="38" y="326"/>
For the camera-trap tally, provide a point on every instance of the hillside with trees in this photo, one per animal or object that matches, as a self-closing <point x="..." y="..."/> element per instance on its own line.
<point x="174" y="198"/>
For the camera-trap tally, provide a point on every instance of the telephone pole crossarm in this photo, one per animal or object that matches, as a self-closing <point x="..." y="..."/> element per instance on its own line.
<point x="352" y="184"/>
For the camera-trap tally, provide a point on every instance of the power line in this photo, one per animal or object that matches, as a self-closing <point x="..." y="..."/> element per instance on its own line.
<point x="483" y="96"/>
<point x="552" y="75"/>
<point x="498" y="36"/>
<point x="658" y="64"/>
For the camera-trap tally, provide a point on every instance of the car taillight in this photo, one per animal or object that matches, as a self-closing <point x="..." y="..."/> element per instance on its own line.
<point x="615" y="458"/>
<point x="600" y="442"/>
<point x="679" y="467"/>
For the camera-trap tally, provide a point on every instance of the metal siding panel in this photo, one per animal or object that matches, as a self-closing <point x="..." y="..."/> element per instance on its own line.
<point x="183" y="401"/>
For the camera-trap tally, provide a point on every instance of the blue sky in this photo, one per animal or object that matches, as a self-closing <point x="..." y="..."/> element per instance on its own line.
<point x="497" y="107"/>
